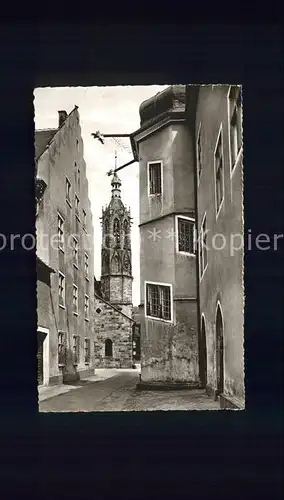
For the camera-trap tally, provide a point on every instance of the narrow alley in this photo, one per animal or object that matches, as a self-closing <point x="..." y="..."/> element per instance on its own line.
<point x="115" y="390"/>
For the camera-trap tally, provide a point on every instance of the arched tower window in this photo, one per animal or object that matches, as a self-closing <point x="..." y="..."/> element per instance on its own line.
<point x="108" y="347"/>
<point x="115" y="264"/>
<point x="126" y="263"/>
<point x="116" y="227"/>
<point x="105" y="262"/>
<point x="106" y="226"/>
<point x="126" y="226"/>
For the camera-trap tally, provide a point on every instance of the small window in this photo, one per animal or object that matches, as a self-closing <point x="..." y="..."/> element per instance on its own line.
<point x="78" y="178"/>
<point x="219" y="173"/>
<point x="77" y="144"/>
<point x="86" y="265"/>
<point x="61" y="289"/>
<point x="68" y="190"/>
<point x="108" y="348"/>
<point x="235" y="116"/>
<point x="87" y="348"/>
<point x="76" y="349"/>
<point x="60" y="227"/>
<point x="84" y="219"/>
<point x="199" y="154"/>
<point x="186" y="235"/>
<point x="203" y="247"/>
<point x="75" y="252"/>
<point x="158" y="299"/>
<point x="155" y="178"/>
<point x="75" y="299"/>
<point x="86" y="307"/>
<point x="61" y="348"/>
<point x="77" y="204"/>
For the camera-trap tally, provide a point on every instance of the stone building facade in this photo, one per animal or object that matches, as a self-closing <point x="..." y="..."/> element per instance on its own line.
<point x="190" y="158"/>
<point x="217" y="128"/>
<point x="169" y="328"/>
<point x="113" y="336"/>
<point x="113" y="294"/>
<point x="65" y="243"/>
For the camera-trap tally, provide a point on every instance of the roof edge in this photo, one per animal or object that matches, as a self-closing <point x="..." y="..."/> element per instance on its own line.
<point x="56" y="129"/>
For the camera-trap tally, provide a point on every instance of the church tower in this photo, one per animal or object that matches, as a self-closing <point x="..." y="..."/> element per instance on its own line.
<point x="116" y="278"/>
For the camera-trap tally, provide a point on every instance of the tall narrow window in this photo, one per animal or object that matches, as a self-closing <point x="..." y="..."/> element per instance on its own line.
<point x="87" y="312"/>
<point x="235" y="116"/>
<point x="158" y="299"/>
<point x="108" y="348"/>
<point x="125" y="226"/>
<point x="60" y="228"/>
<point x="115" y="264"/>
<point x="203" y="247"/>
<point x="61" y="289"/>
<point x="77" y="204"/>
<point x="87" y="346"/>
<point x="86" y="267"/>
<point x="116" y="227"/>
<point x="84" y="219"/>
<point x="75" y="299"/>
<point x="68" y="190"/>
<point x="199" y="153"/>
<point x="76" y="349"/>
<point x="78" y="178"/>
<point x="61" y="348"/>
<point x="185" y="235"/>
<point x="75" y="252"/>
<point x="155" y="178"/>
<point x="219" y="173"/>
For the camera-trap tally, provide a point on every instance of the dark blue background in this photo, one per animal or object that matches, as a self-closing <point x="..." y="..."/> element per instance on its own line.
<point x="229" y="454"/>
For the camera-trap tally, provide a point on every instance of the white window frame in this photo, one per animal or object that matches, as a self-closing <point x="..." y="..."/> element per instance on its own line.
<point x="233" y="167"/>
<point x="197" y="156"/>
<point x="77" y="207"/>
<point x="61" y="332"/>
<point x="75" y="311"/>
<point x="76" y="349"/>
<point x="89" y="350"/>
<point x="45" y="354"/>
<point x="61" y="247"/>
<point x="74" y="240"/>
<point x="200" y="246"/>
<point x="84" y="219"/>
<point x="64" y="290"/>
<point x="68" y="198"/>
<point x="87" y="317"/>
<point x="190" y="219"/>
<point x="146" y="282"/>
<point x="86" y="265"/>
<point x="149" y="163"/>
<point x="220" y="135"/>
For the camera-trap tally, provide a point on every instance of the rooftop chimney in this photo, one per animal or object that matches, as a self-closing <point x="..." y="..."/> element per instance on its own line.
<point x="62" y="115"/>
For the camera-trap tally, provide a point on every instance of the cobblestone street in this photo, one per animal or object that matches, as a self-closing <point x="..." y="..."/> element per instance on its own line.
<point x="118" y="393"/>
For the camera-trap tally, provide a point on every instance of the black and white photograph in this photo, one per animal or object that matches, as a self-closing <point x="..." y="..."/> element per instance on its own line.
<point x="140" y="248"/>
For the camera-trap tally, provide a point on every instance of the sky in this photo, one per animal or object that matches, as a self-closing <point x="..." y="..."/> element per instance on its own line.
<point x="111" y="110"/>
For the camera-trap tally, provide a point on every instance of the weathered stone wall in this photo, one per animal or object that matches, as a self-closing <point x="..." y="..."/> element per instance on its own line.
<point x="111" y="324"/>
<point x="223" y="279"/>
<point x="169" y="352"/>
